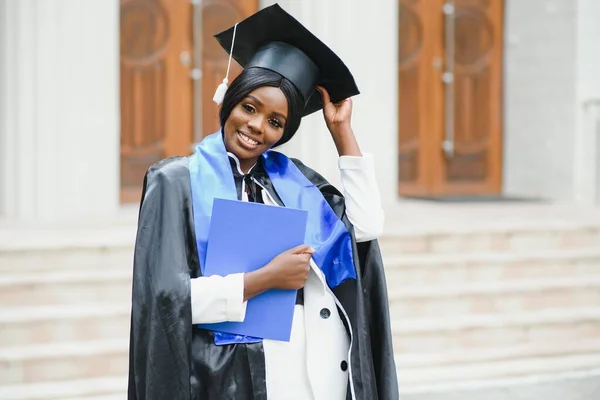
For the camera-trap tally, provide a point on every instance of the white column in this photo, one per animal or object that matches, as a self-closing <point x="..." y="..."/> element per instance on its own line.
<point x="587" y="135"/>
<point x="60" y="108"/>
<point x="365" y="36"/>
<point x="4" y="104"/>
<point x="539" y="98"/>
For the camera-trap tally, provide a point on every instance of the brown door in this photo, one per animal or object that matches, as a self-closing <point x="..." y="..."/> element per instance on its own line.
<point x="216" y="16"/>
<point x="156" y="91"/>
<point x="159" y="106"/>
<point x="450" y="96"/>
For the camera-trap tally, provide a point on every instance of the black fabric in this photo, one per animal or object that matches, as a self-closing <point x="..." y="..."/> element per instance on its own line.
<point x="258" y="41"/>
<point x="172" y="359"/>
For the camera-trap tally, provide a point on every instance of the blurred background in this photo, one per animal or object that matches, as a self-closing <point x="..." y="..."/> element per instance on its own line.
<point x="483" y="115"/>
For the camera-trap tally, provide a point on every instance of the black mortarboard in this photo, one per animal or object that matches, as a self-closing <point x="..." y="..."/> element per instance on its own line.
<point x="274" y="40"/>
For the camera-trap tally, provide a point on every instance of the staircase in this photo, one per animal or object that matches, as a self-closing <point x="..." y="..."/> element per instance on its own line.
<point x="64" y="322"/>
<point x="487" y="311"/>
<point x="496" y="313"/>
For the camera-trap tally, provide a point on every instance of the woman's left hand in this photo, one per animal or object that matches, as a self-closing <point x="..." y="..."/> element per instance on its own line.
<point x="338" y="119"/>
<point x="337" y="115"/>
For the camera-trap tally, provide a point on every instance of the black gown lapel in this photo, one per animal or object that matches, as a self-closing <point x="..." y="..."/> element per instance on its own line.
<point x="170" y="358"/>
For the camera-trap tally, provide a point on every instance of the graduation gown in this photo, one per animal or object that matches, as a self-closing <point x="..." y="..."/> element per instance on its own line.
<point x="172" y="359"/>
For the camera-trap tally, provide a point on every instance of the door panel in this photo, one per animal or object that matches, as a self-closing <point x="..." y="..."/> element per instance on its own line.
<point x="158" y="103"/>
<point x="414" y="76"/>
<point x="216" y="16"/>
<point x="156" y="120"/>
<point x="468" y="120"/>
<point x="475" y="166"/>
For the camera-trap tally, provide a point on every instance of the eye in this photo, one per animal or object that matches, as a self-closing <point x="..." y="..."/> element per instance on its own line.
<point x="249" y="108"/>
<point x="275" y="123"/>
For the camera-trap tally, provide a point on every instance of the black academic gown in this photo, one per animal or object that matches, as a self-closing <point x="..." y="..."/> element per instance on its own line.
<point x="172" y="359"/>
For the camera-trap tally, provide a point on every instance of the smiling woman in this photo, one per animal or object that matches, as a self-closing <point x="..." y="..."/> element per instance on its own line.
<point x="260" y="106"/>
<point x="340" y="344"/>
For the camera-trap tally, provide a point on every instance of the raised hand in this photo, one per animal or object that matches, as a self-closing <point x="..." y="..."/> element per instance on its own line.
<point x="338" y="118"/>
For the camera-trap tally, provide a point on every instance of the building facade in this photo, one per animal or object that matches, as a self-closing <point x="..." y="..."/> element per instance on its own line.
<point x="464" y="98"/>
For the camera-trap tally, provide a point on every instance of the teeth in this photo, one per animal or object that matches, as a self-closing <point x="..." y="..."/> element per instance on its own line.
<point x="248" y="140"/>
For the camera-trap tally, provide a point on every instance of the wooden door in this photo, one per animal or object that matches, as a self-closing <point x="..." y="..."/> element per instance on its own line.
<point x="166" y="100"/>
<point x="156" y="91"/>
<point x="450" y="96"/>
<point x="216" y="16"/>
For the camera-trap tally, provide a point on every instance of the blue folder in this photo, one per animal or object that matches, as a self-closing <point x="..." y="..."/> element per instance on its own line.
<point x="242" y="238"/>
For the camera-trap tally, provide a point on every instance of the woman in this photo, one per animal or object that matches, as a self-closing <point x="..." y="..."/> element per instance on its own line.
<point x="340" y="345"/>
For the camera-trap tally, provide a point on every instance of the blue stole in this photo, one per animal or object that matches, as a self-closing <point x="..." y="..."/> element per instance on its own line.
<point x="211" y="177"/>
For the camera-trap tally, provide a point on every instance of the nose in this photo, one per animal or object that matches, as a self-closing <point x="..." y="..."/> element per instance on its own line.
<point x="255" y="123"/>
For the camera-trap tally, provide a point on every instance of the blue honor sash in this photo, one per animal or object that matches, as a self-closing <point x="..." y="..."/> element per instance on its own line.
<point x="211" y="177"/>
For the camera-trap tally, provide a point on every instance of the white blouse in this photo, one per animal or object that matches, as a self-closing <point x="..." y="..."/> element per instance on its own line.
<point x="219" y="299"/>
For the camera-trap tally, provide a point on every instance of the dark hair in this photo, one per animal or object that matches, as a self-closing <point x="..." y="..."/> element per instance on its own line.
<point x="251" y="79"/>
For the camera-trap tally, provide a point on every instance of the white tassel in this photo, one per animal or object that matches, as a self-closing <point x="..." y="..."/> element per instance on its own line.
<point x="222" y="88"/>
<point x="220" y="92"/>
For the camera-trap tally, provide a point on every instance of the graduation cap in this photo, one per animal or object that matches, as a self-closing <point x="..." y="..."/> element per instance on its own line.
<point x="274" y="40"/>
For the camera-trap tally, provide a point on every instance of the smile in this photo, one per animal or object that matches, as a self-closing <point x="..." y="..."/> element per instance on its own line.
<point x="247" y="140"/>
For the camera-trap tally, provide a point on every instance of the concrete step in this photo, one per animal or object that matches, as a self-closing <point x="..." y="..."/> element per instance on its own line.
<point x="411" y="377"/>
<point x="494" y="297"/>
<point x="469" y="371"/>
<point x="57" y="324"/>
<point x="573" y="385"/>
<point x="408" y="270"/>
<point x="63" y="361"/>
<point x="425" y="360"/>
<point x="116" y="396"/>
<point x="456" y="239"/>
<point x="105" y="388"/>
<point x="472" y="332"/>
<point x="43" y="259"/>
<point x="66" y="287"/>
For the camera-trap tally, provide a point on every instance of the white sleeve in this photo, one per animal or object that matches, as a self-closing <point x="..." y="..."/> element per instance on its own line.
<point x="363" y="201"/>
<point x="218" y="299"/>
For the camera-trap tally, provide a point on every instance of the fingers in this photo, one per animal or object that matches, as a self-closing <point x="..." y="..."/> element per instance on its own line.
<point x="324" y="94"/>
<point x="302" y="249"/>
<point x="305" y="257"/>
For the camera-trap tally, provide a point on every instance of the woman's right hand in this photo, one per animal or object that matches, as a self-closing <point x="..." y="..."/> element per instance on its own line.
<point x="289" y="270"/>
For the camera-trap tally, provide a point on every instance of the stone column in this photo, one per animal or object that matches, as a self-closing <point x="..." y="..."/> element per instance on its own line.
<point x="587" y="135"/>
<point x="365" y="36"/>
<point x="59" y="105"/>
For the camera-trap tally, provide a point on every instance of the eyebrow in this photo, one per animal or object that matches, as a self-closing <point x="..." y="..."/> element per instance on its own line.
<point x="260" y="103"/>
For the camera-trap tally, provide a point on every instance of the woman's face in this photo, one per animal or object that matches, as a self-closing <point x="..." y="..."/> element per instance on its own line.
<point x="256" y="124"/>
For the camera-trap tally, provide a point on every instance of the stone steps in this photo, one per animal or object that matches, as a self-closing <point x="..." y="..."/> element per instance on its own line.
<point x="499" y="369"/>
<point x="63" y="361"/>
<point x="66" y="287"/>
<point x="494" y="297"/>
<point x="455" y="239"/>
<point x="121" y="395"/>
<point x="466" y="305"/>
<point x="20" y="326"/>
<point x="60" y="258"/>
<point x="474" y="332"/>
<point x="444" y="358"/>
<point x="572" y="385"/>
<point x="105" y="388"/>
<point x="486" y="337"/>
<point x="408" y="270"/>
